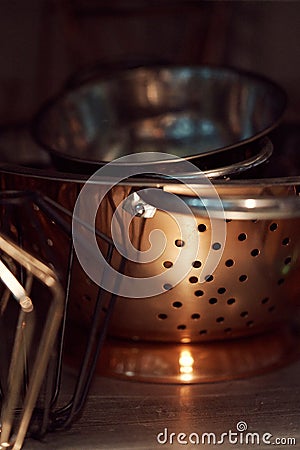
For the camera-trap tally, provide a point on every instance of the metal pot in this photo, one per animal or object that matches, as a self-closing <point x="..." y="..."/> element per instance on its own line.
<point x="211" y="115"/>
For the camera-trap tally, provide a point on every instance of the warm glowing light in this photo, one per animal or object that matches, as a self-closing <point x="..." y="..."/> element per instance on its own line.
<point x="152" y="93"/>
<point x="129" y="373"/>
<point x="186" y="369"/>
<point x="186" y="377"/>
<point x="186" y="340"/>
<point x="186" y="362"/>
<point x="186" y="358"/>
<point x="250" y="203"/>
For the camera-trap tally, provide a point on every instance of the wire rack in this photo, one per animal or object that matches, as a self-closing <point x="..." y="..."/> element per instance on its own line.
<point x="33" y="321"/>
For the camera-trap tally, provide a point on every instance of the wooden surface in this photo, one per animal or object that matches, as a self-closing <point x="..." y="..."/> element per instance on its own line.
<point x="128" y="415"/>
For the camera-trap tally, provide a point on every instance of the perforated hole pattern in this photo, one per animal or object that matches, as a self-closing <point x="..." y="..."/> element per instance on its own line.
<point x="244" y="294"/>
<point x="246" y="319"/>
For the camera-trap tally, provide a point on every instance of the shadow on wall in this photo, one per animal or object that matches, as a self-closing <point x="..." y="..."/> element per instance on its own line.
<point x="44" y="41"/>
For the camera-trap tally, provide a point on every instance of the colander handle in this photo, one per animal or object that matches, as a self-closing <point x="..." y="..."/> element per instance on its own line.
<point x="237" y="208"/>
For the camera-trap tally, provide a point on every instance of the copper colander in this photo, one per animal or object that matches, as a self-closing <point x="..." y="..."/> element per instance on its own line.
<point x="251" y="296"/>
<point x="241" y="320"/>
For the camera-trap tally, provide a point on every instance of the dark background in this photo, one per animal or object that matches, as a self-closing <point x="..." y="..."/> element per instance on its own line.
<point x="42" y="42"/>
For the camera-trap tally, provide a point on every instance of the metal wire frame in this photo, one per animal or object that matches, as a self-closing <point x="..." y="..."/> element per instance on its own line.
<point x="48" y="416"/>
<point x="64" y="416"/>
<point x="21" y="348"/>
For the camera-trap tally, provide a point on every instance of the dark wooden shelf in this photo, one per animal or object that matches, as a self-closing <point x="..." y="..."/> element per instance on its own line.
<point x="127" y="415"/>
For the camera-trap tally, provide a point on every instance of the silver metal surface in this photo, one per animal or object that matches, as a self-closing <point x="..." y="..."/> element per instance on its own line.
<point x="273" y="197"/>
<point x="253" y="290"/>
<point x="14" y="420"/>
<point x="186" y="111"/>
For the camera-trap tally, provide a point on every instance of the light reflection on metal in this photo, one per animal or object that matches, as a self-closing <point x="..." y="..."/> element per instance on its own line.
<point x="21" y="348"/>
<point x="15" y="288"/>
<point x="153" y="94"/>
<point x="250" y="203"/>
<point x="186" y="362"/>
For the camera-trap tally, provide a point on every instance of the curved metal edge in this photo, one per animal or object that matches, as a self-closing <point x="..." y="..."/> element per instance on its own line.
<point x="53" y="321"/>
<point x="38" y="117"/>
<point x="243" y="208"/>
<point x="247" y="164"/>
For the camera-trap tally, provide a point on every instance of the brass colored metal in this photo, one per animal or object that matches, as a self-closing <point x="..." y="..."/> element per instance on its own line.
<point x="199" y="362"/>
<point x="23" y="345"/>
<point x="252" y="289"/>
<point x="253" y="292"/>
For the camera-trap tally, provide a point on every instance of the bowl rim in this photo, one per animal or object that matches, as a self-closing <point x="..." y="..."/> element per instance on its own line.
<point x="63" y="94"/>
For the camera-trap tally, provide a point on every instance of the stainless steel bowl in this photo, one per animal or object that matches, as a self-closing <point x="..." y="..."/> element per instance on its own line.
<point x="192" y="112"/>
